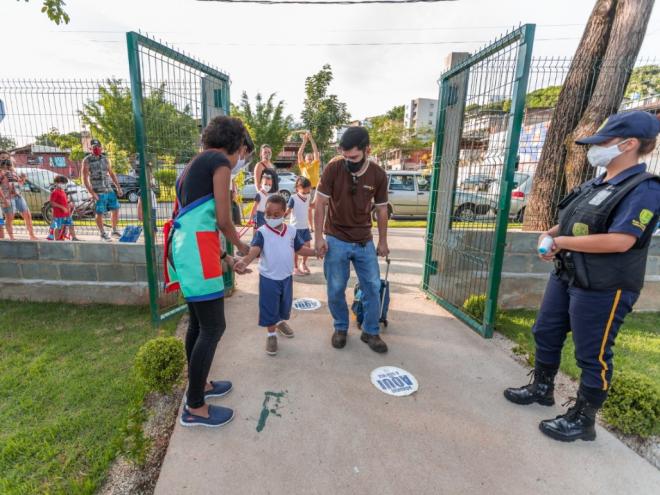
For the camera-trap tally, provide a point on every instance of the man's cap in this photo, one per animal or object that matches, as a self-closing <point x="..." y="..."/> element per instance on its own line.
<point x="95" y="142"/>
<point x="637" y="124"/>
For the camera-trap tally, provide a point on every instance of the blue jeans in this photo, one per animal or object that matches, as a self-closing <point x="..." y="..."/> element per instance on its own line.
<point x="337" y="268"/>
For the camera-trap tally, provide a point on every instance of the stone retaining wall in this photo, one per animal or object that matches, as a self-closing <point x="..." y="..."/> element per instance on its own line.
<point x="113" y="273"/>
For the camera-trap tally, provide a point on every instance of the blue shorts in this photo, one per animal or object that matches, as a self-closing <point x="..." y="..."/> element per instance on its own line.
<point x="107" y="202"/>
<point x="260" y="219"/>
<point x="17" y="204"/>
<point x="303" y="235"/>
<point x="275" y="300"/>
<point x="60" y="222"/>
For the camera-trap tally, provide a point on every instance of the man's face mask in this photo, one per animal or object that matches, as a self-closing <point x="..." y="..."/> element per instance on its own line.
<point x="96" y="150"/>
<point x="354" y="167"/>
<point x="5" y="162"/>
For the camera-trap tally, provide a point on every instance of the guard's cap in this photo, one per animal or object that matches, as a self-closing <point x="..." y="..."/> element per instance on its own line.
<point x="95" y="142"/>
<point x="636" y="124"/>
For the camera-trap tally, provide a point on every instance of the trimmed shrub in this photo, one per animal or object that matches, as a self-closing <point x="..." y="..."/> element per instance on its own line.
<point x="166" y="177"/>
<point x="159" y="363"/>
<point x="475" y="306"/>
<point x="633" y="405"/>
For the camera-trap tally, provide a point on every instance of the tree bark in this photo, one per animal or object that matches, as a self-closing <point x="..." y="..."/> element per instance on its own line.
<point x="548" y="186"/>
<point x="628" y="30"/>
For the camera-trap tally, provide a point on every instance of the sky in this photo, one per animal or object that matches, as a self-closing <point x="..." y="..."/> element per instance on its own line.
<point x="270" y="48"/>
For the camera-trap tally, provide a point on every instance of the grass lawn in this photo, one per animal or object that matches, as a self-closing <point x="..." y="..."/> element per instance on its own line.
<point x="73" y="402"/>
<point x="637" y="345"/>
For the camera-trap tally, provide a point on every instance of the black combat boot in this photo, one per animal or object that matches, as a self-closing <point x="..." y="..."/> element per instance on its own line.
<point x="540" y="389"/>
<point x="577" y="424"/>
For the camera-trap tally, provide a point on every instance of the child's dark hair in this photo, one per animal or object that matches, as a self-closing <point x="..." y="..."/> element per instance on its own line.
<point x="60" y="179"/>
<point x="303" y="182"/>
<point x="278" y="200"/>
<point x="224" y="132"/>
<point x="273" y="177"/>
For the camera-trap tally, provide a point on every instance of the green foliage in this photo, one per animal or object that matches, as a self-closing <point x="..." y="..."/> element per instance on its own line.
<point x="396" y="113"/>
<point x="166" y="176"/>
<point x="159" y="363"/>
<point x="54" y="9"/>
<point x="119" y="158"/>
<point x="239" y="180"/>
<point x="71" y="141"/>
<point x="387" y="134"/>
<point x="170" y="130"/>
<point x="322" y="112"/>
<point x="535" y="100"/>
<point x="644" y="80"/>
<point x="633" y="405"/>
<point x="475" y="306"/>
<point x="266" y="122"/>
<point x="7" y="143"/>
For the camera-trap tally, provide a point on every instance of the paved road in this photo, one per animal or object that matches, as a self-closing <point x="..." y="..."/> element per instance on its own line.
<point x="332" y="432"/>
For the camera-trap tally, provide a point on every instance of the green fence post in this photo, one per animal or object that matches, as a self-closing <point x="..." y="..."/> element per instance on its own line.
<point x="517" y="114"/>
<point x="140" y="140"/>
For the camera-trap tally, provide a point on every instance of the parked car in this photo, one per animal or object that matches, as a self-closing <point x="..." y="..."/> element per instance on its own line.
<point x="522" y="188"/>
<point x="409" y="197"/>
<point x="287" y="186"/>
<point x="130" y="187"/>
<point x="37" y="189"/>
<point x="479" y="182"/>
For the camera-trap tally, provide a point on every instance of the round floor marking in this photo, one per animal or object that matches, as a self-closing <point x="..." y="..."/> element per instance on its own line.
<point x="394" y="381"/>
<point x="306" y="304"/>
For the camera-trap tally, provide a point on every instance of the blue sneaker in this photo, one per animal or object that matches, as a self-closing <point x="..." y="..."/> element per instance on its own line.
<point x="220" y="389"/>
<point x="218" y="416"/>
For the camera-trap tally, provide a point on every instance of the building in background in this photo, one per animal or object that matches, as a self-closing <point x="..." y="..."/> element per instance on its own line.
<point x="47" y="158"/>
<point x="420" y="114"/>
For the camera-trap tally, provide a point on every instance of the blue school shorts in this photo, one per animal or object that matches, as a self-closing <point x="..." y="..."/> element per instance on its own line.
<point x="275" y="300"/>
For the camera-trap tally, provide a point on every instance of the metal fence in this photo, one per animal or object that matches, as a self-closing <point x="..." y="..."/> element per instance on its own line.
<point x="173" y="97"/>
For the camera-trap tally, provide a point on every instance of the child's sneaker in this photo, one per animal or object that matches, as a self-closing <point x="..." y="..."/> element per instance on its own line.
<point x="285" y="329"/>
<point x="220" y="389"/>
<point x="218" y="416"/>
<point x="105" y="237"/>
<point x="271" y="345"/>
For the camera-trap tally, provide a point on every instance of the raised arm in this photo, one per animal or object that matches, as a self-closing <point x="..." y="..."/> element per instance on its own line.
<point x="301" y="150"/>
<point x="317" y="155"/>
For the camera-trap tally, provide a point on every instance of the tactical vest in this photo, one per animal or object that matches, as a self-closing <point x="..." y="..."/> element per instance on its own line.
<point x="99" y="176"/>
<point x="588" y="210"/>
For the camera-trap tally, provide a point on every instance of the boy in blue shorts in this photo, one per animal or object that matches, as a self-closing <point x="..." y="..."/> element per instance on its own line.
<point x="275" y="243"/>
<point x="301" y="218"/>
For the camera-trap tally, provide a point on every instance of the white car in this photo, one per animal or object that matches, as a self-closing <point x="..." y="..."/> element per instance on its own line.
<point x="287" y="186"/>
<point x="38" y="186"/>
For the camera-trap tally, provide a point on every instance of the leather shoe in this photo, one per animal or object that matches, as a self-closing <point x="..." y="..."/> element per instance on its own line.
<point x="339" y="340"/>
<point x="374" y="342"/>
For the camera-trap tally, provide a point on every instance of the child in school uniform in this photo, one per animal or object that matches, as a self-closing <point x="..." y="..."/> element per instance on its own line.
<point x="275" y="243"/>
<point x="300" y="209"/>
<point x="267" y="188"/>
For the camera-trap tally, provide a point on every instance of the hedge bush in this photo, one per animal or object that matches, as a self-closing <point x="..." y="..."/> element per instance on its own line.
<point x="166" y="177"/>
<point x="160" y="362"/>
<point x="633" y="405"/>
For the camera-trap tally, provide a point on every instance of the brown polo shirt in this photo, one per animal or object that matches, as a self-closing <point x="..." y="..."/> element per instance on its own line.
<point x="349" y="213"/>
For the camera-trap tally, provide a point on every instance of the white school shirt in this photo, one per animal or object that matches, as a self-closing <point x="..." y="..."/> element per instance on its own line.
<point x="277" y="249"/>
<point x="299" y="211"/>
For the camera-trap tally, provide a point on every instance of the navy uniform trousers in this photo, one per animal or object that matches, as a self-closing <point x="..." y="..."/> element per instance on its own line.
<point x="593" y="316"/>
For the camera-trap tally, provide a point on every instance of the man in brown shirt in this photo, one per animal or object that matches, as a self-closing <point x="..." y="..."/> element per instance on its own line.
<point x="351" y="185"/>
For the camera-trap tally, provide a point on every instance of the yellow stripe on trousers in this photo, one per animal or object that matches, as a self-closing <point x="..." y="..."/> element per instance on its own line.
<point x="603" y="372"/>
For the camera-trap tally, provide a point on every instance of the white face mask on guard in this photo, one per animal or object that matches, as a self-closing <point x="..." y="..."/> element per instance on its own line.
<point x="602" y="156"/>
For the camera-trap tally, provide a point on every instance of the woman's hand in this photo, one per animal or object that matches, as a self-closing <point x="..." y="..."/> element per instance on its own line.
<point x="549" y="256"/>
<point x="243" y="249"/>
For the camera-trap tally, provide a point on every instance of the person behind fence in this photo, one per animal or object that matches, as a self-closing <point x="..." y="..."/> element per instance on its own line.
<point x="62" y="208"/>
<point x="98" y="178"/>
<point x="268" y="187"/>
<point x="275" y="243"/>
<point x="154" y="206"/>
<point x="350" y="188"/>
<point x="301" y="218"/>
<point x="11" y="183"/>
<point x="194" y="254"/>
<point x="599" y="248"/>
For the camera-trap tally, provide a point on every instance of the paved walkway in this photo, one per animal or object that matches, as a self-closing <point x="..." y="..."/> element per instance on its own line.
<point x="324" y="429"/>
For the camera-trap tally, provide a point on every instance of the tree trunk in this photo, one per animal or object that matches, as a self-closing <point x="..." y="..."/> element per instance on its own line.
<point x="626" y="37"/>
<point x="548" y="186"/>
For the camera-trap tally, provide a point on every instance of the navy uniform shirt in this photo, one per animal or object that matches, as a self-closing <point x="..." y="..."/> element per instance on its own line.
<point x="634" y="213"/>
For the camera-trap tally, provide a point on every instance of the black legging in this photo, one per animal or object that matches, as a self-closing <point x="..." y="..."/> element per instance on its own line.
<point x="206" y="326"/>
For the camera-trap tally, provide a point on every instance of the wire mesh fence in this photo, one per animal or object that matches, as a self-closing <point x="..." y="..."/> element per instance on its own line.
<point x="173" y="97"/>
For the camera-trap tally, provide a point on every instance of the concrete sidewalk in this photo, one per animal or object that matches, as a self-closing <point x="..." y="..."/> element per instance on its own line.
<point x="325" y="429"/>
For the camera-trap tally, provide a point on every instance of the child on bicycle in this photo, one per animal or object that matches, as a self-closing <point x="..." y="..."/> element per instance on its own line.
<point x="301" y="218"/>
<point x="62" y="209"/>
<point x="274" y="243"/>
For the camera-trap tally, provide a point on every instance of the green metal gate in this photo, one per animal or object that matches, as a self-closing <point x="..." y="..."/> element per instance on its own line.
<point x="173" y="98"/>
<point x="480" y="114"/>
